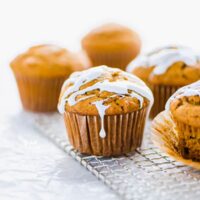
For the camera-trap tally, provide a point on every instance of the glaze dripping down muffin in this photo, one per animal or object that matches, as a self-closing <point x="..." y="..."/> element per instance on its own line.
<point x="165" y="70"/>
<point x="103" y="93"/>
<point x="184" y="107"/>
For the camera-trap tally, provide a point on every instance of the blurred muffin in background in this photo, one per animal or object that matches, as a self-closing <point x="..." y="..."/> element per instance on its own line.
<point x="184" y="107"/>
<point x="40" y="73"/>
<point x="165" y="70"/>
<point x="112" y="44"/>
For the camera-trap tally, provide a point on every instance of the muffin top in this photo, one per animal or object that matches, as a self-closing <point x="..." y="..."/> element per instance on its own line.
<point x="185" y="104"/>
<point x="49" y="61"/>
<point x="104" y="91"/>
<point x="112" y="37"/>
<point x="173" y="65"/>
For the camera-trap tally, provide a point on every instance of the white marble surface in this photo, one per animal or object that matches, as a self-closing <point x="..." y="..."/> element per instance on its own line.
<point x="32" y="167"/>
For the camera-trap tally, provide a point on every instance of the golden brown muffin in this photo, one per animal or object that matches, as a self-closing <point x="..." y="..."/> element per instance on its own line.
<point x="104" y="110"/>
<point x="165" y="70"/>
<point x="112" y="44"/>
<point x="184" y="106"/>
<point x="40" y="73"/>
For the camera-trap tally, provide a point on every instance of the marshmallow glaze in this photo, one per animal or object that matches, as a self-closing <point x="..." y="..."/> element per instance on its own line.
<point x="162" y="58"/>
<point x="130" y="86"/>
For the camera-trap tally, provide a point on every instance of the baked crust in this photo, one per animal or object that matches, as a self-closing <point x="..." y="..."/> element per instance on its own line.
<point x="118" y="104"/>
<point x="112" y="38"/>
<point x="186" y="110"/>
<point x="49" y="61"/>
<point x="177" y="74"/>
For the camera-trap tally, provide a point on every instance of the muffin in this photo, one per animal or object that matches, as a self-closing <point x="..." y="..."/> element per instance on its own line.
<point x="184" y="107"/>
<point x="112" y="44"/>
<point x="40" y="73"/>
<point x="165" y="70"/>
<point x="105" y="110"/>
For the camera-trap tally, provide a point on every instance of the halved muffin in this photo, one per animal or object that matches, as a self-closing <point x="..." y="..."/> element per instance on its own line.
<point x="184" y="107"/>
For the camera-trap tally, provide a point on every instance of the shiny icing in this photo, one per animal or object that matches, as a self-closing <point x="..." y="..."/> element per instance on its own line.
<point x="120" y="87"/>
<point x="189" y="90"/>
<point x="163" y="58"/>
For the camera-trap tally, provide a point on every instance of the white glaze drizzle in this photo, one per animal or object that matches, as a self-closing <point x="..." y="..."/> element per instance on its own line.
<point x="119" y="87"/>
<point x="101" y="110"/>
<point x="189" y="90"/>
<point x="163" y="58"/>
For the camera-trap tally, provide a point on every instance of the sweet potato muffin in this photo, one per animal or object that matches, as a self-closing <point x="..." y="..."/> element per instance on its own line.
<point x="165" y="70"/>
<point x="112" y="44"/>
<point x="40" y="73"/>
<point x="184" y="107"/>
<point x="105" y="110"/>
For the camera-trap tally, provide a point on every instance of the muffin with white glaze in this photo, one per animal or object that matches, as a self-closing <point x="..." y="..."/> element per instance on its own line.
<point x="165" y="70"/>
<point x="105" y="110"/>
<point x="184" y="107"/>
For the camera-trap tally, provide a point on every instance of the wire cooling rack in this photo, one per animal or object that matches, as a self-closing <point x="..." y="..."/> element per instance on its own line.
<point x="146" y="174"/>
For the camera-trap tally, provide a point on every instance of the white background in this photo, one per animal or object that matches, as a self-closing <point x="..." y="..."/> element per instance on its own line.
<point x="24" y="23"/>
<point x="64" y="22"/>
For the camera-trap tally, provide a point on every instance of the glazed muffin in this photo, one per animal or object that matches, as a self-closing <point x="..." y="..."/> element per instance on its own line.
<point x="105" y="110"/>
<point x="112" y="44"/>
<point x="184" y="107"/>
<point x="40" y="73"/>
<point x="164" y="71"/>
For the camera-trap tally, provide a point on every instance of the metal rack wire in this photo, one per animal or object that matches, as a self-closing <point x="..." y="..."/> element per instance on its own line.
<point x="146" y="174"/>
